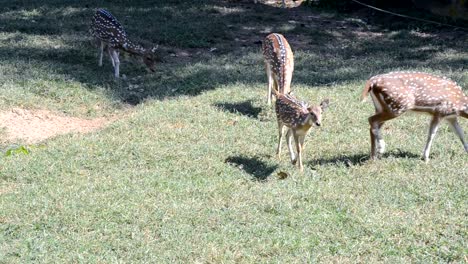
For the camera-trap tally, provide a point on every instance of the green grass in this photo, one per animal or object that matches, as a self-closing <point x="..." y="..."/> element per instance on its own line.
<point x="189" y="173"/>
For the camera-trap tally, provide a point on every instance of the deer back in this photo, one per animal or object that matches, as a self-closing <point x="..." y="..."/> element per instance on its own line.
<point x="279" y="57"/>
<point x="402" y="91"/>
<point x="105" y="27"/>
<point x="290" y="111"/>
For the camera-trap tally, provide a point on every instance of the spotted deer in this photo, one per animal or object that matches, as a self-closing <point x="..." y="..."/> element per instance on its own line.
<point x="279" y="64"/>
<point x="298" y="117"/>
<point x="111" y="35"/>
<point x="395" y="93"/>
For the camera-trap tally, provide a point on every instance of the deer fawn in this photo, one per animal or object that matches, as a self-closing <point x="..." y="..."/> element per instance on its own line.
<point x="111" y="35"/>
<point x="398" y="92"/>
<point x="298" y="117"/>
<point x="279" y="64"/>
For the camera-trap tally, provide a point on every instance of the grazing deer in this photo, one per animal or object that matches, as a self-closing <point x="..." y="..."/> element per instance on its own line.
<point x="111" y="35"/>
<point x="279" y="64"/>
<point x="298" y="117"/>
<point x="398" y="92"/>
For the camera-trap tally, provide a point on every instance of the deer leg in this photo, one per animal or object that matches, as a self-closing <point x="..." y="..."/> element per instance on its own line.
<point x="380" y="141"/>
<point x="280" y="138"/>
<point x="289" y="137"/>
<point x="377" y="143"/>
<point x="301" y="142"/>
<point x="458" y="130"/>
<point x="275" y="86"/>
<point x="115" y="56"/>
<point x="109" y="50"/>
<point x="270" y="82"/>
<point x="434" y="125"/>
<point x="299" y="146"/>
<point x="101" y="53"/>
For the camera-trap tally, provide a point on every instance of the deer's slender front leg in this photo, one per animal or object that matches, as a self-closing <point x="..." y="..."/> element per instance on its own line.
<point x="299" y="146"/>
<point x="109" y="51"/>
<point x="289" y="137"/>
<point x="101" y="53"/>
<point x="280" y="138"/>
<point x="115" y="57"/>
<point x="458" y="130"/>
<point x="435" y="121"/>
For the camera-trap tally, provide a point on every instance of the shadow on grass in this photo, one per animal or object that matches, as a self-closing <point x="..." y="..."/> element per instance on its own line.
<point x="244" y="108"/>
<point x="253" y="166"/>
<point x="348" y="161"/>
<point x="360" y="159"/>
<point x="398" y="153"/>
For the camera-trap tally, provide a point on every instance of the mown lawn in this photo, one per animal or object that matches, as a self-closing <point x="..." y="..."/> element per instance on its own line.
<point x="188" y="173"/>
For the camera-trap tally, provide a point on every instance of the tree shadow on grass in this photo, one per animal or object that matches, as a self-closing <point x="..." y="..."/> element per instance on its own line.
<point x="360" y="159"/>
<point x="223" y="40"/>
<point x="244" y="108"/>
<point x="253" y="166"/>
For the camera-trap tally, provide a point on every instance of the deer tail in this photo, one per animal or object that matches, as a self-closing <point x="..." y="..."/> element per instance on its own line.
<point x="366" y="90"/>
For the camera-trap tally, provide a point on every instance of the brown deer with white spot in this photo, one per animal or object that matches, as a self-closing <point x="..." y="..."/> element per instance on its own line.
<point x="298" y="117"/>
<point x="395" y="93"/>
<point x="111" y="35"/>
<point x="279" y="64"/>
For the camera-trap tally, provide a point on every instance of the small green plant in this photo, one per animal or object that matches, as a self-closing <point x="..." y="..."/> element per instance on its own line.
<point x="19" y="150"/>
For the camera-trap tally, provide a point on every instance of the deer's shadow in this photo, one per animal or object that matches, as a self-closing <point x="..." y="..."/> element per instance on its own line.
<point x="360" y="159"/>
<point x="244" y="108"/>
<point x="253" y="166"/>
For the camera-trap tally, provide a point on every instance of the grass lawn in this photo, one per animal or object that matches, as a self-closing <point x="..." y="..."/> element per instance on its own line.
<point x="188" y="172"/>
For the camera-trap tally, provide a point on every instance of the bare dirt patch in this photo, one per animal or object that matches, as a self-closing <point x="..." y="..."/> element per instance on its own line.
<point x="32" y="126"/>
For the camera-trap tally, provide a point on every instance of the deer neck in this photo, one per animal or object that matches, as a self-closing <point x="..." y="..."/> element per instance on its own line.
<point x="303" y="127"/>
<point x="305" y="119"/>
<point x="134" y="49"/>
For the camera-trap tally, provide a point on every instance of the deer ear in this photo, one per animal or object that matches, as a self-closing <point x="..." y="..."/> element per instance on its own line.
<point x="324" y="104"/>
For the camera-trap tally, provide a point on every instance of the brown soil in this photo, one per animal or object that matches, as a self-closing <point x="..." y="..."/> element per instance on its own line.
<point x="32" y="126"/>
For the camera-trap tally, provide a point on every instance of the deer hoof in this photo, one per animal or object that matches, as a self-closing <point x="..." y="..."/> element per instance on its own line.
<point x="380" y="147"/>
<point x="425" y="159"/>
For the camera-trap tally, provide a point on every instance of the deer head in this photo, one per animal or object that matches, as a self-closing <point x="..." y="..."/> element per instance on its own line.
<point x="464" y="113"/>
<point x="149" y="58"/>
<point x="316" y="112"/>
